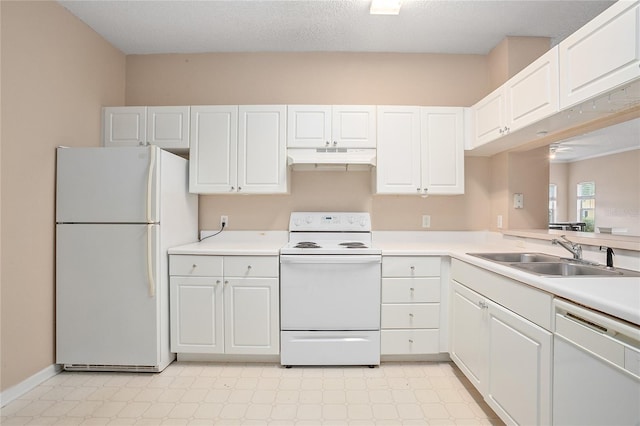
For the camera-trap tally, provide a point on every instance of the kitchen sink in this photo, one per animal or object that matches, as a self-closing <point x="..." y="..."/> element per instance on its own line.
<point x="554" y="266"/>
<point x="568" y="269"/>
<point x="517" y="257"/>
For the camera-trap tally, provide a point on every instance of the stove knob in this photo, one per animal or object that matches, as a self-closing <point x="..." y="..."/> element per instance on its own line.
<point x="297" y="221"/>
<point x="308" y="219"/>
<point x="351" y="219"/>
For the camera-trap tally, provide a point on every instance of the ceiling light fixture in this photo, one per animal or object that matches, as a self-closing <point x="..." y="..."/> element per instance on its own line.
<point x="385" y="7"/>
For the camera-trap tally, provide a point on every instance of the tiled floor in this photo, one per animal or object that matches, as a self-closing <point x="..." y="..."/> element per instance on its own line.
<point x="256" y="394"/>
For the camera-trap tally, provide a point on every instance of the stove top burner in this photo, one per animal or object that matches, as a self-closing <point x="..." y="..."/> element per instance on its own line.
<point x="307" y="244"/>
<point x="353" y="244"/>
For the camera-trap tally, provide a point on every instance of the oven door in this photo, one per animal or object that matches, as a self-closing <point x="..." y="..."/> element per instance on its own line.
<point x="330" y="292"/>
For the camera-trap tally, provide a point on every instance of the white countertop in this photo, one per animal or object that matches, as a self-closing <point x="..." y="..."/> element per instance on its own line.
<point x="237" y="243"/>
<point x="617" y="296"/>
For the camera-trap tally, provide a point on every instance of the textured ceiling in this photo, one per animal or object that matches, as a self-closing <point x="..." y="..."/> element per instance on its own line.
<point x="432" y="26"/>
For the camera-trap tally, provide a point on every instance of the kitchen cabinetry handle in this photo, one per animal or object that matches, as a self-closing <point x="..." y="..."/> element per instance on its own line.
<point x="152" y="166"/>
<point x="410" y="340"/>
<point x="483" y="305"/>
<point x="217" y="281"/>
<point x="150" y="280"/>
<point x="412" y="289"/>
<point x="226" y="282"/>
<point x="239" y="188"/>
<point x="335" y="143"/>
<point x="233" y="188"/>
<point x="410" y="315"/>
<point x="326" y="143"/>
<point x="249" y="267"/>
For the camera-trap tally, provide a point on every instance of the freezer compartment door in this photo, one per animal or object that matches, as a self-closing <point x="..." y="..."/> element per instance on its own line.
<point x="107" y="310"/>
<point x="107" y="185"/>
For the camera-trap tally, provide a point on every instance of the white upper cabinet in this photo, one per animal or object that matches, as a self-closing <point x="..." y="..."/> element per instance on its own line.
<point x="124" y="126"/>
<point x="213" y="155"/>
<point x="163" y="126"/>
<point x="532" y="94"/>
<point x="262" y="156"/>
<point x="238" y="149"/>
<point x="603" y="54"/>
<point x="338" y="126"/>
<point x="420" y="150"/>
<point x="442" y="133"/>
<point x="168" y="127"/>
<point x="527" y="97"/>
<point x="399" y="169"/>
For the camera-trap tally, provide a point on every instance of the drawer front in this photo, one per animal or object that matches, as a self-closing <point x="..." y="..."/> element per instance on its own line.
<point x="411" y="290"/>
<point x="410" y="266"/>
<point x="196" y="266"/>
<point x="407" y="342"/>
<point x="251" y="266"/>
<point x="424" y="315"/>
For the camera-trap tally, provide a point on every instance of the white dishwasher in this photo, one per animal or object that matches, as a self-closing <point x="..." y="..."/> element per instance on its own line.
<point x="596" y="368"/>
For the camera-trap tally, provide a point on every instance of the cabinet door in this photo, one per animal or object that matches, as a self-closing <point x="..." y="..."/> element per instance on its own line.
<point x="196" y="315"/>
<point x="124" y="126"/>
<point x="603" y="54"/>
<point x="252" y="316"/>
<point x="308" y="126"/>
<point x="262" y="156"/>
<point x="489" y="118"/>
<point x="519" y="377"/>
<point x="168" y="127"/>
<point x="532" y="94"/>
<point x="353" y="126"/>
<point x="468" y="347"/>
<point x="442" y="140"/>
<point x="213" y="155"/>
<point x="398" y="168"/>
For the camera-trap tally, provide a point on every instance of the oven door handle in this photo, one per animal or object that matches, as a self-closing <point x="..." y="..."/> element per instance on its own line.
<point x="331" y="259"/>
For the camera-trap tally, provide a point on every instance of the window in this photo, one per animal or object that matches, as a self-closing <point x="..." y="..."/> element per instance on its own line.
<point x="586" y="209"/>
<point x="553" y="203"/>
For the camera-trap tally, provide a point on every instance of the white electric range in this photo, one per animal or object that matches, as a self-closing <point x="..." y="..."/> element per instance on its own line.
<point x="330" y="277"/>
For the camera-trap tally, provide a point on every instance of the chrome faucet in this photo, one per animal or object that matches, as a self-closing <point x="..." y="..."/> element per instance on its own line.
<point x="574" y="249"/>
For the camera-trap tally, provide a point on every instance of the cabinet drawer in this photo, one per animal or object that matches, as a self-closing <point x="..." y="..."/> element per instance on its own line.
<point x="196" y="266"/>
<point x="423" y="315"/>
<point x="410" y="290"/>
<point x="410" y="266"/>
<point x="404" y="342"/>
<point x="251" y="266"/>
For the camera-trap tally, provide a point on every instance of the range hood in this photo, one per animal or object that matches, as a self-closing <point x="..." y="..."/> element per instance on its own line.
<point x="336" y="159"/>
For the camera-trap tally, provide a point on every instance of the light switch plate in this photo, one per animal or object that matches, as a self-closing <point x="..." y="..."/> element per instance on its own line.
<point x="426" y="221"/>
<point x="518" y="201"/>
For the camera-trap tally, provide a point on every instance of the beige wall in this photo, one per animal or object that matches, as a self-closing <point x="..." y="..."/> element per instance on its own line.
<point x="529" y="175"/>
<point x="559" y="175"/>
<point x="512" y="55"/>
<point x="617" y="179"/>
<point x="56" y="74"/>
<point x="306" y="78"/>
<point x="326" y="78"/>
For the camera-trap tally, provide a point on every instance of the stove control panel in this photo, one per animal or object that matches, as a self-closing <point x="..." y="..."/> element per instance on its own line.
<point x="325" y="221"/>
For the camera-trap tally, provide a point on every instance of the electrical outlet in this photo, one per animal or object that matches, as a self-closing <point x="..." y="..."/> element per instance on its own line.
<point x="499" y="224"/>
<point x="426" y="221"/>
<point x="224" y="221"/>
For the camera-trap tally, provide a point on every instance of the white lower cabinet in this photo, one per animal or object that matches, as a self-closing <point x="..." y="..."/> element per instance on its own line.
<point x="506" y="356"/>
<point x="224" y="304"/>
<point x="410" y="310"/>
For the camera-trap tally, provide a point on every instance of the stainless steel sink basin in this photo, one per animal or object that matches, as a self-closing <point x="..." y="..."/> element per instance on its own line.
<point x="554" y="266"/>
<point x="518" y="257"/>
<point x="567" y="269"/>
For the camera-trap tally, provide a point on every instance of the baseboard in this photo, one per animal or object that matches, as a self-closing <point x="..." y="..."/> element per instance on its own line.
<point x="16" y="391"/>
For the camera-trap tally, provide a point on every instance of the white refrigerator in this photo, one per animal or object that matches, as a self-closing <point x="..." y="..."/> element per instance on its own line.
<point x="118" y="210"/>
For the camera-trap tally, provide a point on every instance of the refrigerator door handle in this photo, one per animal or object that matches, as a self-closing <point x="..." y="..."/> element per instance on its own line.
<point x="150" y="278"/>
<point x="152" y="166"/>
